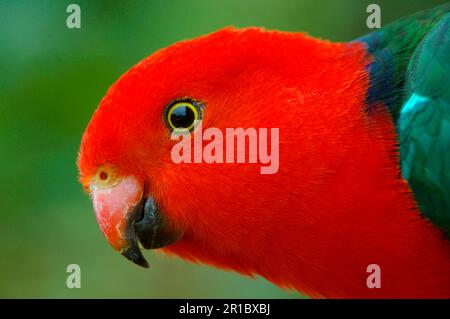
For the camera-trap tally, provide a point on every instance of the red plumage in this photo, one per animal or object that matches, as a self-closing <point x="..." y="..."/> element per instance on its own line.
<point x="337" y="203"/>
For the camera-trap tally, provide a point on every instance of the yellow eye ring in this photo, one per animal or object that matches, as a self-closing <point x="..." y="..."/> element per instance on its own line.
<point x="183" y="115"/>
<point x="105" y="177"/>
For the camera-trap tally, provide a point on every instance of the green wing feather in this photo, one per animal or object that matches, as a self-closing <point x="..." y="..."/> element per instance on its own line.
<point x="410" y="74"/>
<point x="424" y="124"/>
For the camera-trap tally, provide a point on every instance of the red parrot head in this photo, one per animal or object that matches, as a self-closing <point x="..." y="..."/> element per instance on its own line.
<point x="211" y="211"/>
<point x="332" y="205"/>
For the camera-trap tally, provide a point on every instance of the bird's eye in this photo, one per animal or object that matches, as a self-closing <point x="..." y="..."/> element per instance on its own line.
<point x="183" y="115"/>
<point x="105" y="177"/>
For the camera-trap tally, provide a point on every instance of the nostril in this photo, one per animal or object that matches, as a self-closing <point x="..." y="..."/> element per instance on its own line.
<point x="103" y="176"/>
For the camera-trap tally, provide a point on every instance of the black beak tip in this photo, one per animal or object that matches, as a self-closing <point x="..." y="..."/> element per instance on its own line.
<point x="142" y="262"/>
<point x="135" y="256"/>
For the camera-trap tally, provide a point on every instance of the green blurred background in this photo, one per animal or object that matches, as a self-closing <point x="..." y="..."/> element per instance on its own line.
<point x="51" y="80"/>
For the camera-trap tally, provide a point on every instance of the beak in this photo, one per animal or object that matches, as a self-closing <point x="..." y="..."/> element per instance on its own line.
<point x="126" y="217"/>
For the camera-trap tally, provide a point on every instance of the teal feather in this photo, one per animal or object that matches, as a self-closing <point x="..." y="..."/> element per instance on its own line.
<point x="411" y="75"/>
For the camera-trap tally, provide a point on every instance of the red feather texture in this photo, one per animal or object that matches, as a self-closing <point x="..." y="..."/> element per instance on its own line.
<point x="337" y="203"/>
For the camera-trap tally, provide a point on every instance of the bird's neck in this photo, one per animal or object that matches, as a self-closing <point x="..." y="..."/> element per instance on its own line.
<point x="365" y="226"/>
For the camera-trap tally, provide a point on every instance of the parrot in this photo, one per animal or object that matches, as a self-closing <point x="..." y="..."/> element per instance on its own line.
<point x="363" y="177"/>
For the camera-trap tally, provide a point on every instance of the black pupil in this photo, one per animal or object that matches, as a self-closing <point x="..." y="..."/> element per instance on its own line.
<point x="182" y="117"/>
